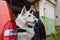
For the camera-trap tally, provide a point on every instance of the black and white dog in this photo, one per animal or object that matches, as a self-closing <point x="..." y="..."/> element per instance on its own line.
<point x="24" y="20"/>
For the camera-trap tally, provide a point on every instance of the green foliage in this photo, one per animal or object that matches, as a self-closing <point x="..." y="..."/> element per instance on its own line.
<point x="53" y="37"/>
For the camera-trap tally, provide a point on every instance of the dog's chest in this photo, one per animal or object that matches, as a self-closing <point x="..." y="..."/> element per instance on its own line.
<point x="26" y="35"/>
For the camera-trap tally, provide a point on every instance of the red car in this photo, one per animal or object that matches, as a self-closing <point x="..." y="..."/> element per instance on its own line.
<point x="7" y="23"/>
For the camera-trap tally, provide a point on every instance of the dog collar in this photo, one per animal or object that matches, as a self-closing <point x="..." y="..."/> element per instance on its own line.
<point x="20" y="30"/>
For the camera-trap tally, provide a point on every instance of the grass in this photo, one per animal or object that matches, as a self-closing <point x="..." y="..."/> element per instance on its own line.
<point x="54" y="36"/>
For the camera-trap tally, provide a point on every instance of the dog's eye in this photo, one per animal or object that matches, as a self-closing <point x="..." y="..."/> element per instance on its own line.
<point x="29" y="15"/>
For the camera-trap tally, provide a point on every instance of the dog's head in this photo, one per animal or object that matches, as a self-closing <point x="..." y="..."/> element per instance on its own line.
<point x="28" y="17"/>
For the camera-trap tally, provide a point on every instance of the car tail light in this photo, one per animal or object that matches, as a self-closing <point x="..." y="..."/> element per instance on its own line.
<point x="10" y="31"/>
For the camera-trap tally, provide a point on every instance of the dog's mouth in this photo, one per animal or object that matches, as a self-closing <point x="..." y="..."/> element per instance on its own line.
<point x="31" y="24"/>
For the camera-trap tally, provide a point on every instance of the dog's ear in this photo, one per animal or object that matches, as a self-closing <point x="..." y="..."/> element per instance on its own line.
<point x="23" y="10"/>
<point x="31" y="11"/>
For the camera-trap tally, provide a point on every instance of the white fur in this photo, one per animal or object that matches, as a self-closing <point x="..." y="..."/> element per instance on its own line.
<point x="22" y="21"/>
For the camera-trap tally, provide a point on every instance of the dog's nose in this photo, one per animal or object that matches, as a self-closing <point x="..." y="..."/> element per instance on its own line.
<point x="34" y="21"/>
